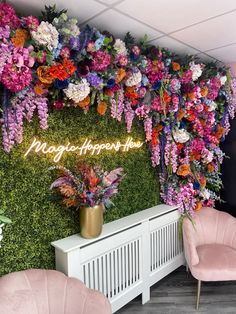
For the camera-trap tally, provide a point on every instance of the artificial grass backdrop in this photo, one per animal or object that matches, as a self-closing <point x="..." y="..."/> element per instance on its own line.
<point x="25" y="197"/>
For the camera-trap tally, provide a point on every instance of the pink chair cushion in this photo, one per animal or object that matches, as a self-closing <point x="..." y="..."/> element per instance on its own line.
<point x="210" y="245"/>
<point x="216" y="262"/>
<point x="38" y="291"/>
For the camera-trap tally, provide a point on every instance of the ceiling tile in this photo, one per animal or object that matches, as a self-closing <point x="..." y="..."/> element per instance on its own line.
<point x="225" y="54"/>
<point x="171" y="15"/>
<point x="205" y="58"/>
<point x="119" y="24"/>
<point x="109" y="2"/>
<point x="210" y="34"/>
<point x="173" y="45"/>
<point x="82" y="9"/>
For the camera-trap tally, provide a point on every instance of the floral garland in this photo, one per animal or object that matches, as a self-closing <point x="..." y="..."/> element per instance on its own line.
<point x="185" y="105"/>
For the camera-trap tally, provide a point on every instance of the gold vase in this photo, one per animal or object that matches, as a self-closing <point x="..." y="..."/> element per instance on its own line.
<point x="91" y="221"/>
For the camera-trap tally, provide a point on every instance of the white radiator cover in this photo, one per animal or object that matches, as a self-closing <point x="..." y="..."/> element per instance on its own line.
<point x="130" y="255"/>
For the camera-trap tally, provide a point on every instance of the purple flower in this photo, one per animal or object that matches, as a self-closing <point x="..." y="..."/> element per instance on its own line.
<point x="94" y="80"/>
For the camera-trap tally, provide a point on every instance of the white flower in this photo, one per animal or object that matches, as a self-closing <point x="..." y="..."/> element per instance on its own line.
<point x="212" y="106"/>
<point x="46" y="35"/>
<point x="78" y="92"/>
<point x="223" y="80"/>
<point x="134" y="78"/>
<point x="207" y="155"/>
<point x="196" y="70"/>
<point x="120" y="48"/>
<point x="205" y="194"/>
<point x="181" y="136"/>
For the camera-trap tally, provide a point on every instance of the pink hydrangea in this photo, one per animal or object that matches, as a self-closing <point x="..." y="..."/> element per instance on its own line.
<point x="186" y="77"/>
<point x="32" y="22"/>
<point x="16" y="79"/>
<point x="122" y="60"/>
<point x="101" y="60"/>
<point x="8" y="16"/>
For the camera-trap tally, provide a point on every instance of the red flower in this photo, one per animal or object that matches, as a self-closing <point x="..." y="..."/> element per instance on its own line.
<point x="63" y="70"/>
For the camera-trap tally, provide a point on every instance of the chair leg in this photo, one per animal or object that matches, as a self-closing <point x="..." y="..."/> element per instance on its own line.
<point x="198" y="293"/>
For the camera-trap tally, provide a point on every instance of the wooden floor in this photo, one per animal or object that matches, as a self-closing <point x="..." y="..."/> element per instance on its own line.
<point x="176" y="294"/>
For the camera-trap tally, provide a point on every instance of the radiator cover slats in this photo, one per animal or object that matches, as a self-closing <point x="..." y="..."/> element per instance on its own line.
<point x="125" y="262"/>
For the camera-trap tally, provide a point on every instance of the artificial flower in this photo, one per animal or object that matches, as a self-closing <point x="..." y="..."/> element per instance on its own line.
<point x="20" y="36"/>
<point x="62" y="71"/>
<point x="102" y="108"/>
<point x="175" y="66"/>
<point x="205" y="194"/>
<point x="120" y="75"/>
<point x="184" y="170"/>
<point x="196" y="70"/>
<point x="120" y="48"/>
<point x="46" y="35"/>
<point x="79" y="91"/>
<point x="133" y="78"/>
<point x="101" y="60"/>
<point x="84" y="103"/>
<point x="44" y="75"/>
<point x="58" y="105"/>
<point x="181" y="135"/>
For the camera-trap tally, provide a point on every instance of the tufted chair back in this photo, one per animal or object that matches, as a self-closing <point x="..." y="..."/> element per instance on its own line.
<point x="210" y="227"/>
<point x="38" y="291"/>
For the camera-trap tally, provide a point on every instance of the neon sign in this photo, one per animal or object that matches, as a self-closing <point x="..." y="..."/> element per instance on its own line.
<point x="86" y="148"/>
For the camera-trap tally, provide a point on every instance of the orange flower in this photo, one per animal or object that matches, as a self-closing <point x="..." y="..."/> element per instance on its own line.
<point x="20" y="36"/>
<point x="198" y="206"/>
<point x="184" y="170"/>
<point x="175" y="66"/>
<point x="203" y="182"/>
<point x="121" y="73"/>
<point x="210" y="167"/>
<point x="191" y="96"/>
<point x="102" y="108"/>
<point x="180" y="115"/>
<point x="204" y="91"/>
<point x="40" y="89"/>
<point x="67" y="190"/>
<point x="84" y="103"/>
<point x="44" y="75"/>
<point x="219" y="132"/>
<point x="70" y="202"/>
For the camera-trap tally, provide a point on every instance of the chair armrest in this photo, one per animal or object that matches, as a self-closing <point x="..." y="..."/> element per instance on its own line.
<point x="190" y="243"/>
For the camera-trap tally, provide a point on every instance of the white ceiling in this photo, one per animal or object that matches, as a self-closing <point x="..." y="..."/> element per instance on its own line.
<point x="203" y="27"/>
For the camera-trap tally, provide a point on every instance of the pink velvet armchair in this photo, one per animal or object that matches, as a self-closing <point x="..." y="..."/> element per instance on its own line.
<point x="38" y="291"/>
<point x="210" y="246"/>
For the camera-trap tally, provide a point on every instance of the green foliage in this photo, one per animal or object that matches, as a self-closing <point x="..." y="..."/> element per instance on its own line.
<point x="37" y="217"/>
<point x="51" y="12"/>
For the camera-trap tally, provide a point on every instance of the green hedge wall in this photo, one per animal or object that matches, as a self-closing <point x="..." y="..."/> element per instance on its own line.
<point x="24" y="186"/>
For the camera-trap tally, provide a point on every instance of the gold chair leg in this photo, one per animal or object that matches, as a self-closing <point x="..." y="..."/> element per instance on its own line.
<point x="198" y="293"/>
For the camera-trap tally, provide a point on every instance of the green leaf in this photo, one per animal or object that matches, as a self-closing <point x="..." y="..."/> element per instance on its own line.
<point x="5" y="219"/>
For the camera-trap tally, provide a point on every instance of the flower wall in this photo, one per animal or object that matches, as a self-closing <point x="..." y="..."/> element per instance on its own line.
<point x="184" y="105"/>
